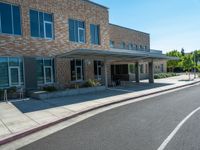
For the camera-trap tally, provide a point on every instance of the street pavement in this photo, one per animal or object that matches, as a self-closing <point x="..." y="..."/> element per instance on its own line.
<point x="138" y="126"/>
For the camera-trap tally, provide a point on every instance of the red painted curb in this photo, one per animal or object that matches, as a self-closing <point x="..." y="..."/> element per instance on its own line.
<point x="34" y="130"/>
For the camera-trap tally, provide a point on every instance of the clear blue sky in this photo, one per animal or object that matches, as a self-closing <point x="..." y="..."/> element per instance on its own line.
<point x="172" y="24"/>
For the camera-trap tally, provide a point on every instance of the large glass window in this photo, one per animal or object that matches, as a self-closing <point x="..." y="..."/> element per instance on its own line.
<point x="123" y="45"/>
<point x="10" y="19"/>
<point x="112" y="44"/>
<point x="77" y="70"/>
<point x="98" y="70"/>
<point x="95" y="34"/>
<point x="130" y="46"/>
<point x="76" y="31"/>
<point x="141" y="68"/>
<point x="131" y="68"/>
<point x="41" y="24"/>
<point x="11" y="73"/>
<point x="45" y="70"/>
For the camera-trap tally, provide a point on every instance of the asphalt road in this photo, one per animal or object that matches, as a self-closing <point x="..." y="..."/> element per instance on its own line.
<point x="139" y="126"/>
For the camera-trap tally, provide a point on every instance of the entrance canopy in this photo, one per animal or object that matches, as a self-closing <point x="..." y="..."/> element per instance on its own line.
<point x="116" y="54"/>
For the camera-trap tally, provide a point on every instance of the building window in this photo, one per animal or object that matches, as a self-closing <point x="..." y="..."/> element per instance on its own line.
<point x="123" y="45"/>
<point x="146" y="68"/>
<point x="131" y="68"/>
<point x="136" y="46"/>
<point x="41" y="24"/>
<point x="45" y="70"/>
<point x="10" y="19"/>
<point x="95" y="34"/>
<point x="162" y="67"/>
<point x="130" y="46"/>
<point x="76" y="31"/>
<point x="77" y="70"/>
<point x="112" y="44"/>
<point x="141" y="68"/>
<point x="12" y="72"/>
<point x="98" y="70"/>
<point x="141" y="47"/>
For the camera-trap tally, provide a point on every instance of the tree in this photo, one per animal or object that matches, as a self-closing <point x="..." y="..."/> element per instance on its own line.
<point x="188" y="63"/>
<point x="183" y="52"/>
<point x="196" y="57"/>
<point x="172" y="64"/>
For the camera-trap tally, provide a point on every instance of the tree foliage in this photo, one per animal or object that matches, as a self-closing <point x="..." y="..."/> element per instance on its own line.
<point x="187" y="62"/>
<point x="171" y="64"/>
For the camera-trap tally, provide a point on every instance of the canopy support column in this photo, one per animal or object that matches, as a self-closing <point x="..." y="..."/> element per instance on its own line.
<point x="137" y="72"/>
<point x="151" y="72"/>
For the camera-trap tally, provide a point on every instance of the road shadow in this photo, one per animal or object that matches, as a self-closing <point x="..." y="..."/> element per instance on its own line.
<point x="36" y="105"/>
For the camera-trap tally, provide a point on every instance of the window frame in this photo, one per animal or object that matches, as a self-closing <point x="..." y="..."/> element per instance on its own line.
<point x="112" y="44"/>
<point x="96" y="34"/>
<point x="21" y="71"/>
<point x="75" y="69"/>
<point x="12" y="21"/>
<point x="76" y="32"/>
<point x="45" y="33"/>
<point x="39" y="27"/>
<point x="98" y="76"/>
<point x="79" y="38"/>
<point x="44" y="70"/>
<point x="123" y="45"/>
<point x="10" y="76"/>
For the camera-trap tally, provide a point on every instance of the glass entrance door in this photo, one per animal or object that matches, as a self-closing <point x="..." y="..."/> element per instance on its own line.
<point x="14" y="76"/>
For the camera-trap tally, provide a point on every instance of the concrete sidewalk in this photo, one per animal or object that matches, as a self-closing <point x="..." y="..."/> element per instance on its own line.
<point x="20" y="118"/>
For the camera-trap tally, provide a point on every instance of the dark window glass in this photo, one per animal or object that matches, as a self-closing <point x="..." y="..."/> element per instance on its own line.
<point x="77" y="69"/>
<point x="41" y="17"/>
<point x="123" y="45"/>
<point x="41" y="24"/>
<point x="40" y="71"/>
<point x="34" y="23"/>
<point x="13" y="61"/>
<point x="11" y="68"/>
<point x="141" y="68"/>
<point x="4" y="79"/>
<point x="45" y="70"/>
<point x="95" y="67"/>
<point x="112" y="44"/>
<point x="73" y="73"/>
<point x="76" y="31"/>
<point x="10" y="21"/>
<point x="48" y="30"/>
<point x="16" y="20"/>
<point x="95" y="34"/>
<point x="6" y="18"/>
<point x="48" y="17"/>
<point x="71" y="30"/>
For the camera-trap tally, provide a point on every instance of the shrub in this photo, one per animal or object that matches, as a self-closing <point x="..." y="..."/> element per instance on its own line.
<point x="49" y="89"/>
<point x="164" y="75"/>
<point x="91" y="83"/>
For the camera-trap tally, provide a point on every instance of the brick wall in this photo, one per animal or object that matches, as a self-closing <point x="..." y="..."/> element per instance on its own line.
<point x="63" y="10"/>
<point x="120" y="34"/>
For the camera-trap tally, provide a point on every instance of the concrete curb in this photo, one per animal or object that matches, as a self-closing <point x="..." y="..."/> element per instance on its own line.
<point x="36" y="129"/>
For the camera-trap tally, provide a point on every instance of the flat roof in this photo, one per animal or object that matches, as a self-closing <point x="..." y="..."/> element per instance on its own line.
<point x="91" y="2"/>
<point x="116" y="53"/>
<point x="128" y="28"/>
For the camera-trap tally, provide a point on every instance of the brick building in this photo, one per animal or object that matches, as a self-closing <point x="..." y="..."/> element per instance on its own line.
<point x="62" y="42"/>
